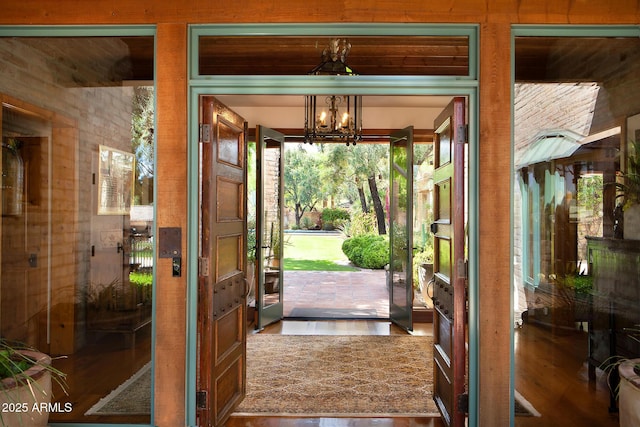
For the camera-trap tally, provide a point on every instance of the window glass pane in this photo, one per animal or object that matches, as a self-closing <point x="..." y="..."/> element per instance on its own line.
<point x="369" y="55"/>
<point x="77" y="217"/>
<point x="576" y="121"/>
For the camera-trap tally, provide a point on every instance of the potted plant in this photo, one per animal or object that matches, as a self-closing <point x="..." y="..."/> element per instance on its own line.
<point x="627" y="382"/>
<point x="629" y="388"/>
<point x="629" y="186"/>
<point x="26" y="377"/>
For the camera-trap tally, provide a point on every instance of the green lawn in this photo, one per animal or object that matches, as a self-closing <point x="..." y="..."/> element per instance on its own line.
<point x="313" y="252"/>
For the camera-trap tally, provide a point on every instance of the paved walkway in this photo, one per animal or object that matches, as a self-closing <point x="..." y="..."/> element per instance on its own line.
<point x="336" y="294"/>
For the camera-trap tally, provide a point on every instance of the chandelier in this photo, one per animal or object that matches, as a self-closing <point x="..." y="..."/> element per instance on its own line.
<point x="333" y="118"/>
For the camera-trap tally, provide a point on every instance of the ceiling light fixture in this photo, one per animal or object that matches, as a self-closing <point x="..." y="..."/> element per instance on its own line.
<point x="339" y="117"/>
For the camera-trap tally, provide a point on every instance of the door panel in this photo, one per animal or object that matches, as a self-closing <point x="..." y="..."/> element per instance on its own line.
<point x="401" y="229"/>
<point x="221" y="279"/>
<point x="449" y="295"/>
<point x="270" y="237"/>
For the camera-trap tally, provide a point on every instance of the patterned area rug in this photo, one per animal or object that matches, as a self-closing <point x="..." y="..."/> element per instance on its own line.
<point x="133" y="397"/>
<point x="339" y="375"/>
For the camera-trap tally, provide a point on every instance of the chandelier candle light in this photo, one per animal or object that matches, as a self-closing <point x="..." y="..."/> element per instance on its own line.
<point x="340" y="117"/>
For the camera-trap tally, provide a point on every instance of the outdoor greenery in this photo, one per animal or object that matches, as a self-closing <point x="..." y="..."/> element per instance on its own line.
<point x="142" y="131"/>
<point x="333" y="218"/>
<point x="141" y="278"/>
<point x="367" y="251"/>
<point x="315" y="253"/>
<point x="305" y="181"/>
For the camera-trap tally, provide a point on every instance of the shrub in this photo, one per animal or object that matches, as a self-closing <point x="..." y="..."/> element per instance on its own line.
<point x="307" y="223"/>
<point x="333" y="218"/>
<point x="367" y="251"/>
<point x="331" y="214"/>
<point x="363" y="223"/>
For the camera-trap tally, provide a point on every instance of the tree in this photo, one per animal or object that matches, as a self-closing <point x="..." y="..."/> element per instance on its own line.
<point x="142" y="121"/>
<point x="357" y="165"/>
<point x="303" y="180"/>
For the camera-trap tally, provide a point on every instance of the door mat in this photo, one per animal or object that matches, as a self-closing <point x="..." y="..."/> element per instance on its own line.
<point x="339" y="376"/>
<point x="313" y="313"/>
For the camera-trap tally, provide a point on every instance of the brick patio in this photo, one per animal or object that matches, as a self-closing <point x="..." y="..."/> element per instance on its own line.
<point x="336" y="294"/>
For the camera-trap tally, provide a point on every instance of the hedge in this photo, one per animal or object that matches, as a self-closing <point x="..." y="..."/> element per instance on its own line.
<point x="367" y="251"/>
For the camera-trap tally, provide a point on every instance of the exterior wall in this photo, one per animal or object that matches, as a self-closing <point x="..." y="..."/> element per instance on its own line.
<point x="495" y="19"/>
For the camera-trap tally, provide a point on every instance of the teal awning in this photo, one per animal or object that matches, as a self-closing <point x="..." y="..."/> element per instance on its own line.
<point x="551" y="145"/>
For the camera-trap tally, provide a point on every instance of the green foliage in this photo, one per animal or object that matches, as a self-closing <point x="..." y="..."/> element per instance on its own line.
<point x="332" y="214"/>
<point x="304" y="182"/>
<point x="251" y="245"/>
<point x="333" y="218"/>
<point x="11" y="366"/>
<point x="141" y="278"/>
<point x="14" y="363"/>
<point x="307" y="223"/>
<point x="362" y="224"/>
<point x="629" y="180"/>
<point x="142" y="137"/>
<point x="367" y="251"/>
<point x="424" y="256"/>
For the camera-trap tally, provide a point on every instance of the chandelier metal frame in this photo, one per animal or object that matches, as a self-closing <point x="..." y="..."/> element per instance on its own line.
<point x="336" y="118"/>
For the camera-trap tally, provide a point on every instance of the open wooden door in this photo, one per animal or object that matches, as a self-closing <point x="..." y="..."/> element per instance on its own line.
<point x="449" y="295"/>
<point x="221" y="277"/>
<point x="401" y="229"/>
<point x="270" y="235"/>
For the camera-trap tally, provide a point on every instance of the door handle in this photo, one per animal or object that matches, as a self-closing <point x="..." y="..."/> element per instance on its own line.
<point x="434" y="227"/>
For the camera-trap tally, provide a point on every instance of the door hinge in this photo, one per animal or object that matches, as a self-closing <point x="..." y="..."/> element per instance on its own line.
<point x="461" y="136"/>
<point x="201" y="399"/>
<point x="205" y="133"/>
<point x="463" y="403"/>
<point x="203" y="267"/>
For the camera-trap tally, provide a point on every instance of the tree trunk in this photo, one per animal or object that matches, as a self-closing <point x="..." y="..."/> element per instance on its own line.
<point x="377" y="205"/>
<point x="363" y="199"/>
<point x="299" y="212"/>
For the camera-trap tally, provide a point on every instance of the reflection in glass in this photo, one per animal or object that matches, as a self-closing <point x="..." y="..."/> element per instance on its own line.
<point x="422" y="219"/>
<point x="401" y="228"/>
<point x="271" y="229"/>
<point x="77" y="280"/>
<point x="576" y="275"/>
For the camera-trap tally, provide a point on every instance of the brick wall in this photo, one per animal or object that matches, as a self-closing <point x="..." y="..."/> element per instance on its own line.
<point x="79" y="79"/>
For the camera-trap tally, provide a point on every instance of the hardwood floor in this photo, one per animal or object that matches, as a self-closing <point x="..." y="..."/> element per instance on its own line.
<point x="95" y="371"/>
<point x="551" y="373"/>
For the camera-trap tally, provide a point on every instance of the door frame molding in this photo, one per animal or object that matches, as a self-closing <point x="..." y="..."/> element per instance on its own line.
<point x="304" y="85"/>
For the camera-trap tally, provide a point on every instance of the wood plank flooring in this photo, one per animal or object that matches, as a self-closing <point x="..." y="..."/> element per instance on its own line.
<point x="551" y="373"/>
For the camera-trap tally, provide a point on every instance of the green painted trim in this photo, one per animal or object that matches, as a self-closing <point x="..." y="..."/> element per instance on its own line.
<point x="474" y="255"/>
<point x="302" y="85"/>
<point x="76" y="30"/>
<point x="354" y="29"/>
<point x="544" y="31"/>
<point x="575" y="31"/>
<point x="193" y="202"/>
<point x="102" y="31"/>
<point x="364" y="85"/>
<point x="333" y="29"/>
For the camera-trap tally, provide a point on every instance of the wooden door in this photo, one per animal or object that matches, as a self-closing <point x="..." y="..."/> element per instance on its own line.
<point x="270" y="233"/>
<point x="401" y="229"/>
<point x="449" y="295"/>
<point x="25" y="248"/>
<point x="221" y="277"/>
